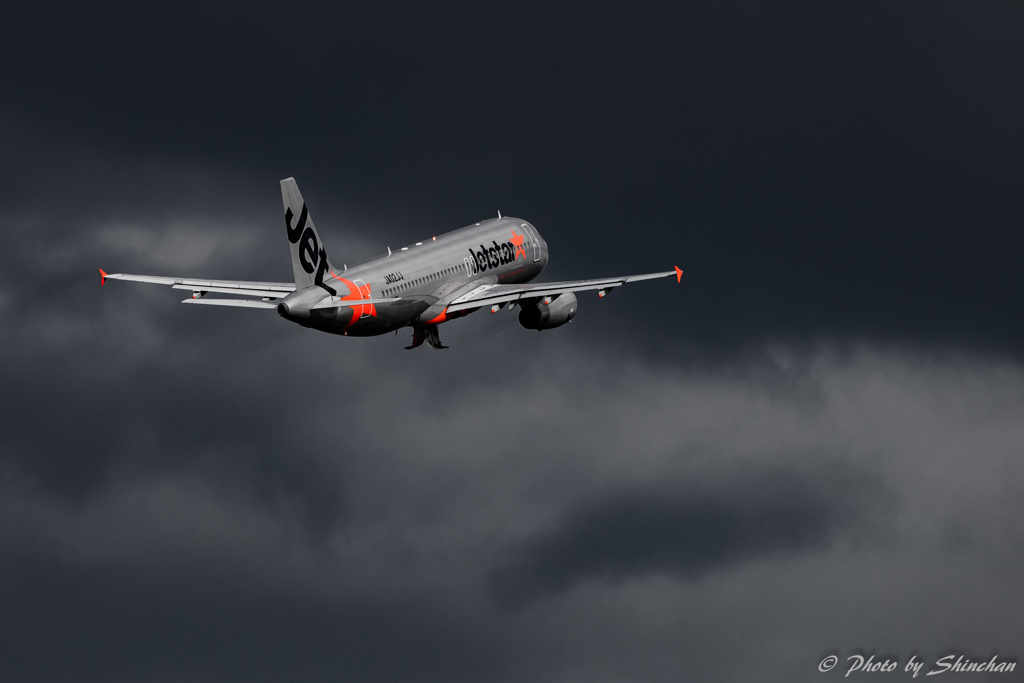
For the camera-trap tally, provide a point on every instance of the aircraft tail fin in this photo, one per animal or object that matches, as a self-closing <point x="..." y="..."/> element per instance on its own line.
<point x="309" y="257"/>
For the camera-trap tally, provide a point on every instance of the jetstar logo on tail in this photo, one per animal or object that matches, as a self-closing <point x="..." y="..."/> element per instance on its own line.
<point x="499" y="254"/>
<point x="312" y="256"/>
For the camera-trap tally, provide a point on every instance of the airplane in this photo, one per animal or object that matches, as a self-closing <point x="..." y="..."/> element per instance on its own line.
<point x="489" y="263"/>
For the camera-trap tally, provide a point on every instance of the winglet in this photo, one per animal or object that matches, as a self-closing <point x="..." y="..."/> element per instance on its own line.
<point x="103" y="277"/>
<point x="679" y="274"/>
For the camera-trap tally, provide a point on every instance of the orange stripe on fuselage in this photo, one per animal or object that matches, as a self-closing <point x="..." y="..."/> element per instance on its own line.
<point x="439" y="319"/>
<point x="356" y="293"/>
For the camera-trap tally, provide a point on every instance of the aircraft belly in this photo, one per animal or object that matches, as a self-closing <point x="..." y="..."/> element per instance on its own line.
<point x="388" y="318"/>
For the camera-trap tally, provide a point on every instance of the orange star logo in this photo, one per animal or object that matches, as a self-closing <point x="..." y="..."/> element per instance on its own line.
<point x="517" y="242"/>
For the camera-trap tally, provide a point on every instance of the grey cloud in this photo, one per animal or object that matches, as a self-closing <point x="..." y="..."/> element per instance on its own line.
<point x="794" y="175"/>
<point x="812" y="443"/>
<point x="703" y="526"/>
<point x="295" y="500"/>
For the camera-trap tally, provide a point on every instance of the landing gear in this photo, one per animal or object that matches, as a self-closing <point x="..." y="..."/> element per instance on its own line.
<point x="426" y="333"/>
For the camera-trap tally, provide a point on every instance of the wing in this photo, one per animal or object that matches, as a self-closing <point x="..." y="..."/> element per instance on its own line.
<point x="266" y="290"/>
<point x="269" y="290"/>
<point x="487" y="295"/>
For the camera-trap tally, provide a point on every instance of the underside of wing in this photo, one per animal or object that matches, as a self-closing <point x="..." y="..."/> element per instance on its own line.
<point x="489" y="295"/>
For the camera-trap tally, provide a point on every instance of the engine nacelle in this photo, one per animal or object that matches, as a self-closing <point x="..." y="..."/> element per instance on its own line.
<point x="549" y="312"/>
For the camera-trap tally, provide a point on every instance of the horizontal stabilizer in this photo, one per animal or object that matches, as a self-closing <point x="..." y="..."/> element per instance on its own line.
<point x="269" y="293"/>
<point x="241" y="303"/>
<point x="328" y="303"/>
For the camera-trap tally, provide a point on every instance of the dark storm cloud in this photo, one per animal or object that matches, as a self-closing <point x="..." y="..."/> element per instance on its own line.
<point x="180" y="545"/>
<point x="840" y="170"/>
<point x="706" y="526"/>
<point x="661" y="493"/>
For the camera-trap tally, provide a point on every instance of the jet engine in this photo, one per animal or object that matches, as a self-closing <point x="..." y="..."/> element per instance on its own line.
<point x="549" y="312"/>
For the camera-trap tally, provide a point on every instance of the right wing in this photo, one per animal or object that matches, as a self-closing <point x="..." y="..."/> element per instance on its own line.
<point x="488" y="294"/>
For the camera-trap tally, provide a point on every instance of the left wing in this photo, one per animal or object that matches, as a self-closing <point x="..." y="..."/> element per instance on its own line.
<point x="265" y="290"/>
<point x="269" y="290"/>
<point x="487" y="295"/>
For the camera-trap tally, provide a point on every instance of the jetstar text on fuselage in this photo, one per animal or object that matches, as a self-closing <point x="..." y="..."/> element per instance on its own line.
<point x="498" y="254"/>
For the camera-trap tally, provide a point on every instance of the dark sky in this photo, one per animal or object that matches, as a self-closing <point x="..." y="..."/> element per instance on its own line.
<point x="813" y="445"/>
